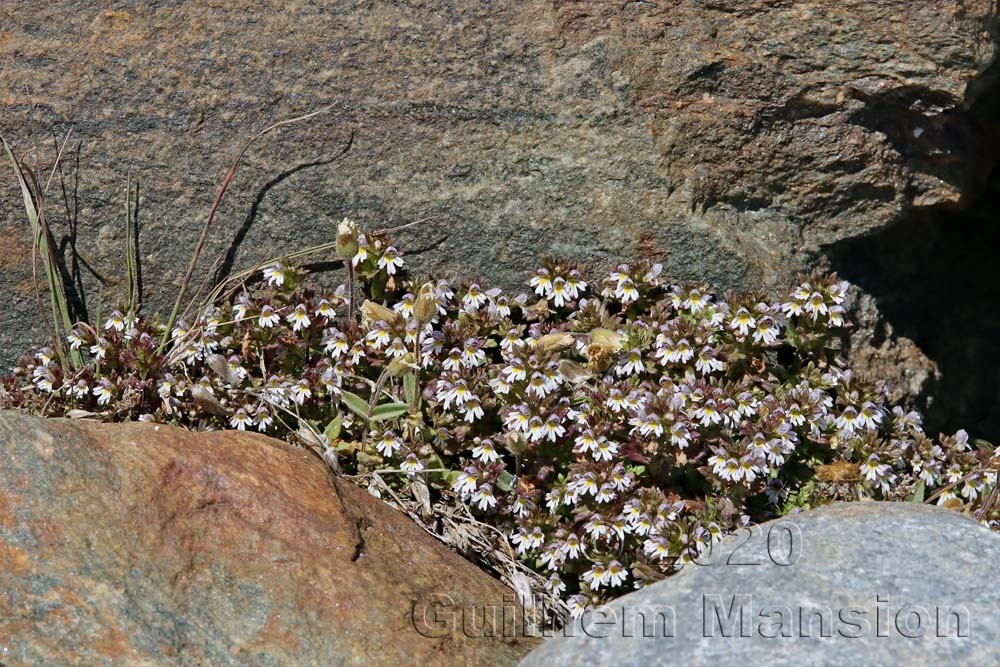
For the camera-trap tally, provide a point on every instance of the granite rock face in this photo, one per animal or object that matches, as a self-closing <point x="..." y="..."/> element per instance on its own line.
<point x="732" y="139"/>
<point x="850" y="584"/>
<point x="131" y="544"/>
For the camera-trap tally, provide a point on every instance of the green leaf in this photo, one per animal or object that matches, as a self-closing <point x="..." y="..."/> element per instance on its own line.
<point x="388" y="411"/>
<point x="918" y="493"/>
<point x="332" y="430"/>
<point x="506" y="481"/>
<point x="357" y="405"/>
<point x="410" y="387"/>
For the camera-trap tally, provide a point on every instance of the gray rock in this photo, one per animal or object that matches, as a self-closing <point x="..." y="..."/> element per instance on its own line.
<point x="849" y="584"/>
<point x="734" y="139"/>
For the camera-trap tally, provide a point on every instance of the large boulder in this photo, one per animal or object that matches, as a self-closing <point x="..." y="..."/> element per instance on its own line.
<point x="850" y="584"/>
<point x="141" y="544"/>
<point x="732" y="138"/>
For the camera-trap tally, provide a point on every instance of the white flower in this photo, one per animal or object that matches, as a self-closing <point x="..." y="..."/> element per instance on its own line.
<point x="275" y="274"/>
<point x="240" y="419"/>
<point x="300" y="391"/>
<point x="334" y="342"/>
<point x="743" y="321"/>
<point x="872" y="469"/>
<point x="630" y="364"/>
<point x="707" y="363"/>
<point x="44" y="378"/>
<point x="474" y="298"/>
<point x="379" y="335"/>
<point x="268" y="317"/>
<point x="324" y="309"/>
<point x="486" y="452"/>
<point x="75" y="340"/>
<point x="411" y="464"/>
<point x="541" y="282"/>
<point x="616" y="573"/>
<point x="596" y="576"/>
<point x="389" y="444"/>
<point x="115" y="321"/>
<point x="264" y="418"/>
<point x="484" y="497"/>
<point x="767" y="331"/>
<point x="100" y="348"/>
<point x="696" y="301"/>
<point x="626" y="292"/>
<point x="390" y="261"/>
<point x="103" y="391"/>
<point x="815" y="305"/>
<point x="467" y="481"/>
<point x="299" y="318"/>
<point x="472" y="410"/>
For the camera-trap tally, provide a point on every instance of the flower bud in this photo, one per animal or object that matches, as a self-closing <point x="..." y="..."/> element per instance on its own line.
<point x="347" y="239"/>
<point x="425" y="307"/>
<point x="376" y="312"/>
<point x="554" y="342"/>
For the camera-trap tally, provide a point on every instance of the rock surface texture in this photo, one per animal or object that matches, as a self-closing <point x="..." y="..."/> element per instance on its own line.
<point x="733" y="138"/>
<point x="124" y="544"/>
<point x="850" y="584"/>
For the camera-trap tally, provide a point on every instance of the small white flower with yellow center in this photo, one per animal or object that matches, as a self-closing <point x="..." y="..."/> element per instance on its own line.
<point x="538" y="385"/>
<point x="742" y="322"/>
<point x="536" y="429"/>
<point x="575" y="284"/>
<point x="104" y="391"/>
<point x="264" y="418"/>
<point x="75" y="340"/>
<point x="486" y="452"/>
<point x="467" y="481"/>
<point x="268" y="317"/>
<point x="626" y="291"/>
<point x="80" y="389"/>
<point x="300" y="391"/>
<point x="115" y="321"/>
<point x="357" y="353"/>
<point x="571" y="547"/>
<point x="631" y="363"/>
<point x="390" y="261"/>
<point x="656" y="547"/>
<point x="334" y="342"/>
<point x="362" y="253"/>
<point x="848" y="420"/>
<point x="767" y="331"/>
<point x="100" y="348"/>
<point x="683" y="352"/>
<point x="44" y="378"/>
<point x="560" y="292"/>
<point x="240" y="308"/>
<point x="873" y="469"/>
<point x="500" y="307"/>
<point x="605" y="450"/>
<point x="472" y="353"/>
<point x="411" y="463"/>
<point x="542" y="282"/>
<point x="389" y="444"/>
<point x="500" y="386"/>
<point x="474" y="298"/>
<point x="484" y="497"/>
<point x="397" y="348"/>
<point x="869" y="416"/>
<point x="596" y="576"/>
<point x="586" y="442"/>
<point x="696" y="301"/>
<point x="299" y="318"/>
<point x="276" y="274"/>
<point x="325" y="309"/>
<point x="553" y="429"/>
<point x="707" y="363"/>
<point x="472" y="410"/>
<point x="816" y="305"/>
<point x="616" y="573"/>
<point x="378" y="337"/>
<point x="241" y="419"/>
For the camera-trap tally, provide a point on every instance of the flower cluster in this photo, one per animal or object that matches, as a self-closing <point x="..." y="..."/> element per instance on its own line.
<point x="611" y="431"/>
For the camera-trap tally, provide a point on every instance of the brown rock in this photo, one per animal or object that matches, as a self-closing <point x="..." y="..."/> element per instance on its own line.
<point x="140" y="544"/>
